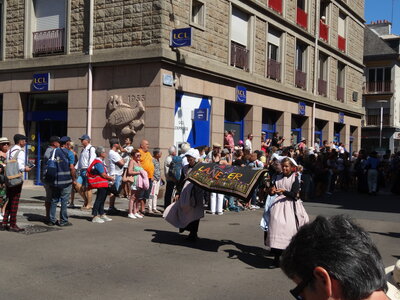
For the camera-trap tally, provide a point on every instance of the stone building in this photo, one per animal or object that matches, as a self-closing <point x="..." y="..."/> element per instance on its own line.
<point x="74" y="66"/>
<point x="381" y="99"/>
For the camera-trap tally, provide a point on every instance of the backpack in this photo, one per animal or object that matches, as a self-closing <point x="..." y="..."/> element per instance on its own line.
<point x="175" y="169"/>
<point x="50" y="170"/>
<point x="13" y="176"/>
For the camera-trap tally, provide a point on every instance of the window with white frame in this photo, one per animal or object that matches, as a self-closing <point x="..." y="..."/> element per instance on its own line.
<point x="274" y="54"/>
<point x="301" y="56"/>
<point x="341" y="74"/>
<point x="323" y="66"/>
<point x="342" y="25"/>
<point x="239" y="39"/>
<point x="198" y="13"/>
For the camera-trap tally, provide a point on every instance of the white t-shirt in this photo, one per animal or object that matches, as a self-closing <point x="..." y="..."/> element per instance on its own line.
<point x="248" y="144"/>
<point x="114" y="157"/>
<point x="127" y="155"/>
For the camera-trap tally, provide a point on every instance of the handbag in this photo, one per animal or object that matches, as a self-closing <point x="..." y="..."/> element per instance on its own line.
<point x="127" y="178"/>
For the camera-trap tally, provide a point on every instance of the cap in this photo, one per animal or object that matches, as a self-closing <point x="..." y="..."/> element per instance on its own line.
<point x="193" y="153"/>
<point x="65" y="139"/>
<point x="85" y="137"/>
<point x="4" y="140"/>
<point x="54" y="138"/>
<point x="302" y="139"/>
<point x="217" y="145"/>
<point x="263" y="133"/>
<point x="18" y="137"/>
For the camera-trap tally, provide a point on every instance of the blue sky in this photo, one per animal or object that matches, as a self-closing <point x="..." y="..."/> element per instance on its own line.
<point x="382" y="9"/>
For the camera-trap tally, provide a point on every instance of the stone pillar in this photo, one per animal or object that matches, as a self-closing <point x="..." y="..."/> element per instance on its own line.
<point x="345" y="136"/>
<point x="253" y="124"/>
<point x="306" y="129"/>
<point x="217" y="120"/>
<point x="327" y="132"/>
<point x="284" y="126"/>
<point x="77" y="116"/>
<point x="13" y="115"/>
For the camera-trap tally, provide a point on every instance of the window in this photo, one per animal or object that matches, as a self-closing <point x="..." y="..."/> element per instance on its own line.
<point x="323" y="23"/>
<point x="379" y="80"/>
<point x="49" y="27"/>
<point x="198" y="13"/>
<point x="302" y="16"/>
<point x="322" y="74"/>
<point x="239" y="39"/>
<point x="374" y="116"/>
<point x="301" y="63"/>
<point x="274" y="46"/>
<point x="342" y="32"/>
<point x="340" y="82"/>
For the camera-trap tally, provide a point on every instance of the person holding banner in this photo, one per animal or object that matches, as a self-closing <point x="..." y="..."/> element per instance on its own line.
<point x="187" y="210"/>
<point x="287" y="213"/>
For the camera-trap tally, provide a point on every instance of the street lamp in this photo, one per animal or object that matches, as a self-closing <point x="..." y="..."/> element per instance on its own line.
<point x="381" y="123"/>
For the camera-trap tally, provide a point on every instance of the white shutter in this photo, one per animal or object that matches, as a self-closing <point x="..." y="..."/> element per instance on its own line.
<point x="274" y="37"/>
<point x="50" y="14"/>
<point x="239" y="27"/>
<point x="342" y="25"/>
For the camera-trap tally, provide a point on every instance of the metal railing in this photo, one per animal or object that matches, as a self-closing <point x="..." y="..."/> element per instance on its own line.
<point x="375" y="87"/>
<point x="340" y="93"/>
<point x="323" y="31"/>
<point x="276" y="5"/>
<point x="301" y="79"/>
<point x="274" y="69"/>
<point x="239" y="56"/>
<point x="322" y="87"/>
<point x="302" y="17"/>
<point x="48" y="41"/>
<point x="375" y="120"/>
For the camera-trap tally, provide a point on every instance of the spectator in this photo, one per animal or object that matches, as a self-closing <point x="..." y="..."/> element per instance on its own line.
<point x="4" y="146"/>
<point x="126" y="155"/>
<point x="248" y="143"/>
<point x="116" y="170"/>
<point x="156" y="181"/>
<point x="135" y="170"/>
<point x="146" y="162"/>
<point x="372" y="175"/>
<point x="169" y="188"/>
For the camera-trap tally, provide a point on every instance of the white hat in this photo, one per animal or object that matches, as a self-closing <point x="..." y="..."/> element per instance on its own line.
<point x="193" y="153"/>
<point x="393" y="280"/>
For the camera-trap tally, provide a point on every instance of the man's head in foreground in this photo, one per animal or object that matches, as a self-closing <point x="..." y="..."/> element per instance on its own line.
<point x="334" y="259"/>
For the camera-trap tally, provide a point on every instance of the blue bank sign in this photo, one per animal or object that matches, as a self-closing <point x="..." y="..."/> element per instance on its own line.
<point x="201" y="114"/>
<point x="341" y="118"/>
<point x="241" y="94"/>
<point x="302" y="108"/>
<point x="181" y="37"/>
<point x="41" y="82"/>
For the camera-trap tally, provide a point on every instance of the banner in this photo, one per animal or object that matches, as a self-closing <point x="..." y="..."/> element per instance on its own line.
<point x="231" y="180"/>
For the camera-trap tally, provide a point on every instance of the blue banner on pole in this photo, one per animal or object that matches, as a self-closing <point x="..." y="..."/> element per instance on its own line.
<point x="181" y="37"/>
<point x="241" y="94"/>
<point x="302" y="108"/>
<point x="41" y="82"/>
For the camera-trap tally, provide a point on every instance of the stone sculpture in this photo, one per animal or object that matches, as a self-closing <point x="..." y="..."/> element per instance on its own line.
<point x="123" y="119"/>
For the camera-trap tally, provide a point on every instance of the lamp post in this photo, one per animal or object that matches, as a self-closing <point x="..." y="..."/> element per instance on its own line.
<point x="381" y="122"/>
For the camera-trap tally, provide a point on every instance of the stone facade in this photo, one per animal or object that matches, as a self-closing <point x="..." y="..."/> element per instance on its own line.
<point x="353" y="79"/>
<point x="290" y="59"/>
<point x="355" y="40"/>
<point x="260" y="53"/>
<point x="15" y="16"/>
<point x="78" y="32"/>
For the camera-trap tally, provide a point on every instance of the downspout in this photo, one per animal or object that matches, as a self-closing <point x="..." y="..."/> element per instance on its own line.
<point x="315" y="88"/>
<point x="90" y="75"/>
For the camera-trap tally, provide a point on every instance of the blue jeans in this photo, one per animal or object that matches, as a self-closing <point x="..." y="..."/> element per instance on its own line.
<point x="62" y="195"/>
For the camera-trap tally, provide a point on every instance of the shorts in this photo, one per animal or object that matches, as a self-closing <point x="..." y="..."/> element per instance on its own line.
<point x="145" y="194"/>
<point x="82" y="178"/>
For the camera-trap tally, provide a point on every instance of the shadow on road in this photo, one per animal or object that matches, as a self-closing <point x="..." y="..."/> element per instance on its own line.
<point x="390" y="234"/>
<point x="255" y="257"/>
<point x="35" y="217"/>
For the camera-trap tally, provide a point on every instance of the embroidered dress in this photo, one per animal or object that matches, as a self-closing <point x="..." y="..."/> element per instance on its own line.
<point x="287" y="215"/>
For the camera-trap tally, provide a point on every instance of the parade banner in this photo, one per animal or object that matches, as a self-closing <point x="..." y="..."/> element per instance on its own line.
<point x="231" y="180"/>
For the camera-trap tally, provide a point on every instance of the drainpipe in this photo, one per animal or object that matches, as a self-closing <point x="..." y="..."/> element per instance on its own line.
<point x="315" y="69"/>
<point x="90" y="75"/>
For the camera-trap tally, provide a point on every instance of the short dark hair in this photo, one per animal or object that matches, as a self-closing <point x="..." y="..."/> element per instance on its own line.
<point x="156" y="151"/>
<point x="343" y="249"/>
<point x="114" y="141"/>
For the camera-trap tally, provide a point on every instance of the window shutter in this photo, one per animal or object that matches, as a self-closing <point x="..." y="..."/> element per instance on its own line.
<point x="239" y="27"/>
<point x="342" y="25"/>
<point x="274" y="37"/>
<point x="50" y="14"/>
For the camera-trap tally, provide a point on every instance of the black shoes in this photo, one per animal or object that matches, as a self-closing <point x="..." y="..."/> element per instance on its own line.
<point x="65" y="224"/>
<point x="15" y="228"/>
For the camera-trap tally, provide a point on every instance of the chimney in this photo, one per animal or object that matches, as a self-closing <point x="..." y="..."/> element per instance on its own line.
<point x="381" y="27"/>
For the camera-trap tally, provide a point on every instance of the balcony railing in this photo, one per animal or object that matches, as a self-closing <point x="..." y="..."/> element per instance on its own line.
<point x="276" y="5"/>
<point x="322" y="87"/>
<point x="375" y="120"/>
<point x="48" y="41"/>
<point x="274" y="70"/>
<point x="301" y="79"/>
<point x="323" y="31"/>
<point x="239" y="56"/>
<point x="340" y="93"/>
<point x="341" y="43"/>
<point x="376" y="87"/>
<point x="302" y="18"/>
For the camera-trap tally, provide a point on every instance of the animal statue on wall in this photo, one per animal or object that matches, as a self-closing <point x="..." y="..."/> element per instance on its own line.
<point x="123" y="119"/>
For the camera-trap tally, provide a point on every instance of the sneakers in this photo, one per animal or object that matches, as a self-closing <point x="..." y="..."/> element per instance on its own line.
<point x="254" y="207"/>
<point x="97" y="219"/>
<point x="139" y="216"/>
<point x="105" y="218"/>
<point x="65" y="224"/>
<point x="220" y="213"/>
<point x="132" y="216"/>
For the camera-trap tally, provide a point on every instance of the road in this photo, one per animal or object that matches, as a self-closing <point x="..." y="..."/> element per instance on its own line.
<point x="148" y="259"/>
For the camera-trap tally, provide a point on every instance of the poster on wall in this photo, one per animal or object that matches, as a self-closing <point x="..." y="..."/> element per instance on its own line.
<point x="187" y="127"/>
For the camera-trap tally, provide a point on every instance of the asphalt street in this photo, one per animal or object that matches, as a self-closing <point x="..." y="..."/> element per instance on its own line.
<point x="149" y="259"/>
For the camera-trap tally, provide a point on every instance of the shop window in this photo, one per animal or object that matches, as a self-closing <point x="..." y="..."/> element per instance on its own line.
<point x="239" y="39"/>
<point x="48" y="27"/>
<point x="269" y="119"/>
<point x="274" y="54"/>
<point x="323" y="74"/>
<point x="198" y="13"/>
<point x="340" y="81"/>
<point x="301" y="63"/>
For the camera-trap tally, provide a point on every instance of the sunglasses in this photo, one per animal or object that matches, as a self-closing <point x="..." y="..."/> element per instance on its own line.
<point x="299" y="289"/>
